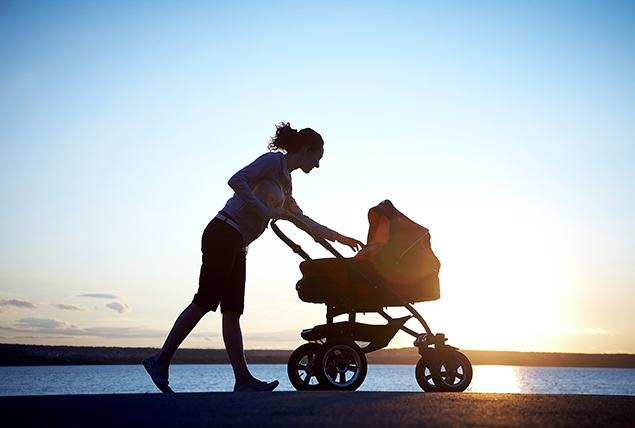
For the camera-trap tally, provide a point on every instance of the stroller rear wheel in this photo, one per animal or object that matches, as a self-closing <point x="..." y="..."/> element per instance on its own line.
<point x="423" y="374"/>
<point x="301" y="368"/>
<point x="341" y="365"/>
<point x="452" y="374"/>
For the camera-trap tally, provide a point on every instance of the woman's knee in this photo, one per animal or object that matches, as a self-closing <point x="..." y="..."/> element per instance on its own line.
<point x="231" y="316"/>
<point x="196" y="308"/>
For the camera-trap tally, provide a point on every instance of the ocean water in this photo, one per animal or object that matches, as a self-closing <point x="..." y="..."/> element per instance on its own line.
<point x="125" y="379"/>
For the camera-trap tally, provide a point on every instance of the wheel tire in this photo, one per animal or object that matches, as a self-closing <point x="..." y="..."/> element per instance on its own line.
<point x="452" y="380"/>
<point x="301" y="368"/>
<point x="423" y="374"/>
<point x="340" y="365"/>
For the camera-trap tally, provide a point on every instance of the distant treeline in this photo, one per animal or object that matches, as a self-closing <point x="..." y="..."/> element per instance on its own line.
<point x="510" y="358"/>
<point x="36" y="355"/>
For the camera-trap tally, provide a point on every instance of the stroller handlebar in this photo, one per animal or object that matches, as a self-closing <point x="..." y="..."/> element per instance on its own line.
<point x="320" y="240"/>
<point x="305" y="227"/>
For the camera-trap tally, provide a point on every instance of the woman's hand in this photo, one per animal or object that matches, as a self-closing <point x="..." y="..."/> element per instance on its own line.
<point x="351" y="242"/>
<point x="278" y="212"/>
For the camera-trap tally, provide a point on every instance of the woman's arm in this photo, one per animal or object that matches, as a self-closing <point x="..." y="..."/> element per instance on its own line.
<point x="351" y="242"/>
<point x="239" y="182"/>
<point x="327" y="233"/>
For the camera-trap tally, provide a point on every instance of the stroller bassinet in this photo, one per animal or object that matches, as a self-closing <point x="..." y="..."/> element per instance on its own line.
<point x="396" y="267"/>
<point x="397" y="252"/>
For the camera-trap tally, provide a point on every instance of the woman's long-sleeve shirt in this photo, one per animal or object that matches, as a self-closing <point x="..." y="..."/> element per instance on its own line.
<point x="263" y="184"/>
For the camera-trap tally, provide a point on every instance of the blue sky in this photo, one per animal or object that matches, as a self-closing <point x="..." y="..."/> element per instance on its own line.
<point x="506" y="128"/>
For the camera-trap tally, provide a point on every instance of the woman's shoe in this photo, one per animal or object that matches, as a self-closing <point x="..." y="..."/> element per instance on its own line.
<point x="160" y="381"/>
<point x="256" y="387"/>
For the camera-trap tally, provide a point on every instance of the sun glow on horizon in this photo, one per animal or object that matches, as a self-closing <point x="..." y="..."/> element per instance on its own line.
<point x="495" y="379"/>
<point x="499" y="269"/>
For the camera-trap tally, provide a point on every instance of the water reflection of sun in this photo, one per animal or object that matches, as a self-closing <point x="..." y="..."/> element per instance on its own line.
<point x="499" y="379"/>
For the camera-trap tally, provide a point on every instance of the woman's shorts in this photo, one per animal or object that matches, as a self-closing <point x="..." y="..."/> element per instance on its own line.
<point x="222" y="278"/>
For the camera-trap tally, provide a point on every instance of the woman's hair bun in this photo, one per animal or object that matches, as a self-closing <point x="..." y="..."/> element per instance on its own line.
<point x="289" y="140"/>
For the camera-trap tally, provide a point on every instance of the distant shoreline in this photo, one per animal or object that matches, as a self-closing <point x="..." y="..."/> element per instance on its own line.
<point x="40" y="355"/>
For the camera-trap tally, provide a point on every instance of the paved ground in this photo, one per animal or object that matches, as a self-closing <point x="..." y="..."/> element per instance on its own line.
<point x="319" y="409"/>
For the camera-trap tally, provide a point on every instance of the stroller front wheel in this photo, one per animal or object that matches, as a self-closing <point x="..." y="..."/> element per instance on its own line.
<point x="423" y="374"/>
<point x="301" y="368"/>
<point x="452" y="374"/>
<point x="341" y="365"/>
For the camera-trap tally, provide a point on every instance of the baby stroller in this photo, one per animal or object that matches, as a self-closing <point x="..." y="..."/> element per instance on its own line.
<point x="396" y="268"/>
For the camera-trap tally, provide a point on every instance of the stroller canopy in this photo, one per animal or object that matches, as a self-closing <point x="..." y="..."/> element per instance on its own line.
<point x="400" y="247"/>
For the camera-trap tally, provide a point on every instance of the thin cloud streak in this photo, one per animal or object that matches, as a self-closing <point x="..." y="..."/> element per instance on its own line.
<point x="561" y="331"/>
<point x="6" y="304"/>
<point x="44" y="323"/>
<point x="69" y="307"/>
<point x="57" y="328"/>
<point x="102" y="296"/>
<point x="277" y="336"/>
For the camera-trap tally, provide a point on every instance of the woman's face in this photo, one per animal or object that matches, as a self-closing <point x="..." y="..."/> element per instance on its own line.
<point x="311" y="159"/>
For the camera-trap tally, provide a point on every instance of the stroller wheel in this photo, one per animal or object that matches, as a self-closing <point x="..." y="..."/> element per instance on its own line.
<point x="423" y="374"/>
<point x="341" y="365"/>
<point x="452" y="374"/>
<point x="301" y="368"/>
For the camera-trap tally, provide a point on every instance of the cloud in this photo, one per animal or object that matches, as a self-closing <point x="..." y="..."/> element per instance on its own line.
<point x="278" y="336"/>
<point x="6" y="304"/>
<point x="102" y="296"/>
<point x="120" y="307"/>
<point x="563" y="331"/>
<point x="57" y="328"/>
<point x="69" y="307"/>
<point x="125" y="332"/>
<point x="31" y="323"/>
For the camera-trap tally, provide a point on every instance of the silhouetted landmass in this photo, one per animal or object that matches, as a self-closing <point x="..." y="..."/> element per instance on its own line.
<point x="37" y="355"/>
<point x="510" y="358"/>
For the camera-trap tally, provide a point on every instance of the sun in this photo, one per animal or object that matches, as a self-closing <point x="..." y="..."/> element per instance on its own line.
<point x="499" y="279"/>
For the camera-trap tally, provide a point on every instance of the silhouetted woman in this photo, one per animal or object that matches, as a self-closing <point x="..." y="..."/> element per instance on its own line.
<point x="262" y="192"/>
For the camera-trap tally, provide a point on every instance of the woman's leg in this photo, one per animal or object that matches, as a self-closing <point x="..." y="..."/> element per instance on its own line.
<point x="233" y="338"/>
<point x="183" y="326"/>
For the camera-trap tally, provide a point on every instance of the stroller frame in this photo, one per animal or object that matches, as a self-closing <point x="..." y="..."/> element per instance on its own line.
<point x="334" y="357"/>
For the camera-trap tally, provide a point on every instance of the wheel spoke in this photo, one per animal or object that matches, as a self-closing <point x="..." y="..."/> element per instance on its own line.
<point x="454" y="377"/>
<point x="331" y="373"/>
<point x="340" y="365"/>
<point x="302" y="367"/>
